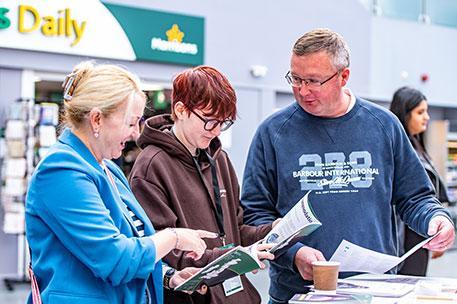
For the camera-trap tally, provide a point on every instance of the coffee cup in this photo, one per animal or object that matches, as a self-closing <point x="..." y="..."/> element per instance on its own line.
<point x="325" y="276"/>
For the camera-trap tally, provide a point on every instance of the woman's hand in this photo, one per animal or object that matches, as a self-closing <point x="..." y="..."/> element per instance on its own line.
<point x="182" y="239"/>
<point x="180" y="276"/>
<point x="191" y="240"/>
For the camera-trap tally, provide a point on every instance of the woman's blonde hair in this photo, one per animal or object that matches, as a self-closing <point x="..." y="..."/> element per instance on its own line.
<point x="102" y="86"/>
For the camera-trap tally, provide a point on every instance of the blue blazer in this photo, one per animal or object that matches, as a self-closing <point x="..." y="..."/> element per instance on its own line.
<point x="85" y="248"/>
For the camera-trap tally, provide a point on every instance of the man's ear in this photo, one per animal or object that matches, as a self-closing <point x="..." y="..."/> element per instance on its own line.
<point x="345" y="76"/>
<point x="95" y="119"/>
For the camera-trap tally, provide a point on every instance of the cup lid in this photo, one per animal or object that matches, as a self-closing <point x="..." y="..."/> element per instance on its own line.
<point x="326" y="263"/>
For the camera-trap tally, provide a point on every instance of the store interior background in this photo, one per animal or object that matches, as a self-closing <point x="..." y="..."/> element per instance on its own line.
<point x="392" y="44"/>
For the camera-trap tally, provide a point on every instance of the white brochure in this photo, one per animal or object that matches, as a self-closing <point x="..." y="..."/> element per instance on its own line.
<point x="299" y="221"/>
<point x="359" y="259"/>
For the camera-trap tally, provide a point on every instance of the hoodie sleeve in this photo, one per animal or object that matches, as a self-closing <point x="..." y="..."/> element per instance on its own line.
<point x="249" y="233"/>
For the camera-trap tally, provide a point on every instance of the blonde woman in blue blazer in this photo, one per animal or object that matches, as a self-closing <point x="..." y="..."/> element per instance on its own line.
<point x="90" y="240"/>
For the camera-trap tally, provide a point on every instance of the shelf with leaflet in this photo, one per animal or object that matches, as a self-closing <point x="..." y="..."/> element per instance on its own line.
<point x="30" y="130"/>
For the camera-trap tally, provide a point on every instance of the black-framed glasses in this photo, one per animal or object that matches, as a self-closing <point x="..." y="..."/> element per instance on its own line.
<point x="211" y="124"/>
<point x="297" y="82"/>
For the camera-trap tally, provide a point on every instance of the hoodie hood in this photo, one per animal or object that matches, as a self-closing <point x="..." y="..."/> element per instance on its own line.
<point x="157" y="132"/>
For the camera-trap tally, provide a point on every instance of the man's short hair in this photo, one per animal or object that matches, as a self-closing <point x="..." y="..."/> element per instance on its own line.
<point x="323" y="39"/>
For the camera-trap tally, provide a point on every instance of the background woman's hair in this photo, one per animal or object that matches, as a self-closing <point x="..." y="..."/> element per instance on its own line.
<point x="404" y="101"/>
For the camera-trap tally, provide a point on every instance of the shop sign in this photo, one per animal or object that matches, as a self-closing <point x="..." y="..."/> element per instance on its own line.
<point x="96" y="29"/>
<point x="164" y="36"/>
<point x="59" y="25"/>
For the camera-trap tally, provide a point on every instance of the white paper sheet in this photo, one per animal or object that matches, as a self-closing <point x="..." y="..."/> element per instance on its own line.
<point x="300" y="220"/>
<point x="359" y="259"/>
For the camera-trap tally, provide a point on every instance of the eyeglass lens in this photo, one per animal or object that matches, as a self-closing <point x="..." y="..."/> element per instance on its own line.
<point x="211" y="124"/>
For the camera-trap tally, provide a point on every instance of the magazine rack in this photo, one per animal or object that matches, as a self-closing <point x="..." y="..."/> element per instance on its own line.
<point x="30" y="129"/>
<point x="18" y="160"/>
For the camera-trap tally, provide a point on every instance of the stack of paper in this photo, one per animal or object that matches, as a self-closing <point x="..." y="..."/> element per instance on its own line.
<point x="335" y="298"/>
<point x="374" y="288"/>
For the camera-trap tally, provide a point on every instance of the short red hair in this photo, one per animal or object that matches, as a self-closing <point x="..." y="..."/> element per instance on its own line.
<point x="204" y="88"/>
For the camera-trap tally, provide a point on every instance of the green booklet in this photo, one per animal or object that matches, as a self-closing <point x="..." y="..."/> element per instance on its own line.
<point x="237" y="261"/>
<point x="330" y="298"/>
<point x="299" y="221"/>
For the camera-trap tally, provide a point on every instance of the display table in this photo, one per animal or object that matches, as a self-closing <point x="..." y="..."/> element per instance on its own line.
<point x="425" y="289"/>
<point x="388" y="289"/>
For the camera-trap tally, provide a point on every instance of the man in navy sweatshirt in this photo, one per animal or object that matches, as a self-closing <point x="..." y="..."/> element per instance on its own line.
<point x="352" y="154"/>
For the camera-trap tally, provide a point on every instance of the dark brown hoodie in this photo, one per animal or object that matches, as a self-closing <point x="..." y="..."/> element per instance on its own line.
<point x="167" y="184"/>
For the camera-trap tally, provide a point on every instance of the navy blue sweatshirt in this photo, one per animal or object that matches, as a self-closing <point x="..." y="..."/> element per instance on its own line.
<point x="358" y="167"/>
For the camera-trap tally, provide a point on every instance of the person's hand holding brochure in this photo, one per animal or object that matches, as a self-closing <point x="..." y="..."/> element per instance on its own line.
<point x="299" y="221"/>
<point x="237" y="261"/>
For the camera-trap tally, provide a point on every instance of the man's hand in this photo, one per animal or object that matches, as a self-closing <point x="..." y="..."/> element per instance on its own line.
<point x="261" y="250"/>
<point x="442" y="225"/>
<point x="303" y="260"/>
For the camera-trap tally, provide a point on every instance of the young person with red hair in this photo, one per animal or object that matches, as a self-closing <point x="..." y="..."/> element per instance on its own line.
<point x="183" y="178"/>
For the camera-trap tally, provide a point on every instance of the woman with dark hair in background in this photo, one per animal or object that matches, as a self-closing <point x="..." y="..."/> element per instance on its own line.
<point x="410" y="106"/>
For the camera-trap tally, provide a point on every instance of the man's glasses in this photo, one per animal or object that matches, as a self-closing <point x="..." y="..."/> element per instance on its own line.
<point x="297" y="82"/>
<point x="211" y="124"/>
